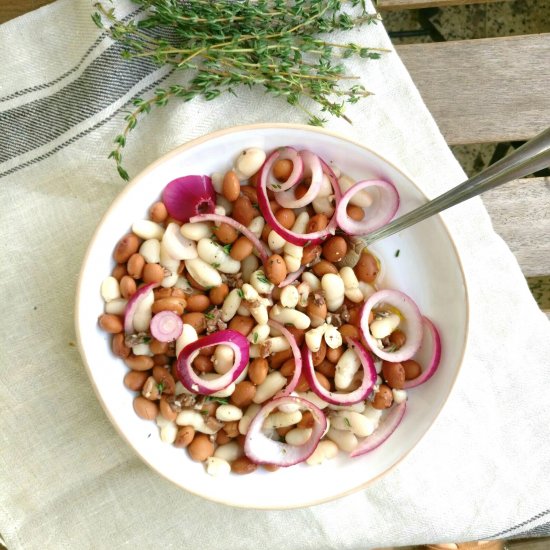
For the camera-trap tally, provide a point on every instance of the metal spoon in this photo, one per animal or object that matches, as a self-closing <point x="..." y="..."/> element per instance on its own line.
<point x="530" y="157"/>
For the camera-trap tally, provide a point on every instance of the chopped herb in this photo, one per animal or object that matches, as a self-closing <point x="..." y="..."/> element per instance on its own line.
<point x="221" y="400"/>
<point x="146" y="339"/>
<point x="240" y="293"/>
<point x="397" y="253"/>
<point x="209" y="315"/>
<point x="262" y="278"/>
<point x="255" y="337"/>
<point x="347" y="422"/>
<point x="160" y="387"/>
<point x="227" y="248"/>
<point x="215" y="265"/>
<point x="255" y="205"/>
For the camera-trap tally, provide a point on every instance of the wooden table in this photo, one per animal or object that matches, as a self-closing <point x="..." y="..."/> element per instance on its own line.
<point x="479" y="91"/>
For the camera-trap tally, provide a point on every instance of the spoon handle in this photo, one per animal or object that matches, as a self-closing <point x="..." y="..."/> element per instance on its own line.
<point x="530" y="157"/>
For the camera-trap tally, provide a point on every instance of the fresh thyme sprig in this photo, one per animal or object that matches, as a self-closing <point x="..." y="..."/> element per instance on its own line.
<point x="226" y="43"/>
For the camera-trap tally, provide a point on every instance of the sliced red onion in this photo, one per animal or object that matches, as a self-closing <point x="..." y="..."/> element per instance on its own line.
<point x="133" y="304"/>
<point x="291" y="386"/>
<point x="387" y="427"/>
<point x="409" y="312"/>
<point x="291" y="277"/>
<point x="435" y="355"/>
<point x="286" y="153"/>
<point x="166" y="326"/>
<point x="262" y="450"/>
<point x="260" y="247"/>
<point x="192" y="381"/>
<point x="313" y="169"/>
<point x="360" y="394"/>
<point x="188" y="196"/>
<point x="377" y="215"/>
<point x="298" y="239"/>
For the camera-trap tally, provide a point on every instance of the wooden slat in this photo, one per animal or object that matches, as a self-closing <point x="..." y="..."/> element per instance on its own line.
<point x="486" y="90"/>
<point x="520" y="211"/>
<point x="9" y="9"/>
<point x="387" y="5"/>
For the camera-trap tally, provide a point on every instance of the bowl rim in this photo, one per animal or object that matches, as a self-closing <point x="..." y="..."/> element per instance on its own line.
<point x="193" y="143"/>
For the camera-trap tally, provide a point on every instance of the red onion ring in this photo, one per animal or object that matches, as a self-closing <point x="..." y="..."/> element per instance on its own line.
<point x="188" y="196"/>
<point x="385" y="209"/>
<point x="264" y="255"/>
<point x="291" y="277"/>
<point x="194" y="383"/>
<point x="262" y="450"/>
<point x="313" y="168"/>
<point x="360" y="394"/>
<point x="166" y="326"/>
<point x="132" y="305"/>
<point x="298" y="239"/>
<point x="286" y="153"/>
<point x="435" y="356"/>
<point x="410" y="313"/>
<point x="291" y="386"/>
<point x="388" y="426"/>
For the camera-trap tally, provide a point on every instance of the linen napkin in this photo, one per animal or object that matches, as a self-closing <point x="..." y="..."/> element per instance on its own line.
<point x="67" y="480"/>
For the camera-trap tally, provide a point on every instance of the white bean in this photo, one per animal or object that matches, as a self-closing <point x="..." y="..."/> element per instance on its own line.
<point x="362" y="199"/>
<point x="277" y="343"/>
<point x="225" y="392"/>
<point x="312" y="280"/>
<point x="300" y="225"/>
<point x="249" y="414"/>
<point x="275" y="241"/>
<point x="298" y="436"/>
<point x="216" y="467"/>
<point x="228" y="413"/>
<point x="260" y="282"/>
<point x="351" y="285"/>
<point x="356" y="407"/>
<point x="281" y="420"/>
<point x="223" y="358"/>
<point x="256" y="306"/>
<point x="346" y="441"/>
<point x="166" y="261"/>
<point x="289" y="407"/>
<point x="229" y="451"/>
<point x="323" y="205"/>
<point x="150" y="250"/>
<point x="169" y="432"/>
<point x="225" y="204"/>
<point x="259" y="334"/>
<point x="217" y="182"/>
<point x="169" y="281"/>
<point x="382" y="327"/>
<point x="243" y="311"/>
<point x="189" y="417"/>
<point x="248" y="266"/>
<point x="347" y="366"/>
<point x="183" y="283"/>
<point x="110" y="289"/>
<point x="215" y="255"/>
<point x="188" y="335"/>
<point x="333" y="287"/>
<point x="178" y="246"/>
<point x="359" y="424"/>
<point x="250" y="161"/>
<point x="325" y="450"/>
<point x="257" y="226"/>
<point x="146" y="229"/>
<point x="203" y="273"/>
<point x="314" y="398"/>
<point x="273" y="382"/>
<point x="289" y="296"/>
<point x="333" y="337"/>
<point x="366" y="290"/>
<point x="162" y="421"/>
<point x="242" y="376"/>
<point x="196" y="231"/>
<point x="314" y="337"/>
<point x="220" y="210"/>
<point x="142" y="349"/>
<point x="143" y="313"/>
<point x="116" y="306"/>
<point x="231" y="305"/>
<point x="399" y="396"/>
<point x="374" y="415"/>
<point x="285" y="315"/>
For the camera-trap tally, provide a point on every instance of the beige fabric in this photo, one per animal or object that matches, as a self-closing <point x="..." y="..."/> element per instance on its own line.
<point x="67" y="480"/>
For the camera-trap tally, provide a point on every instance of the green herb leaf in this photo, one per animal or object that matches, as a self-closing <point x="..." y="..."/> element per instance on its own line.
<point x="240" y="293"/>
<point x="397" y="253"/>
<point x="347" y="422"/>
<point x="221" y="400"/>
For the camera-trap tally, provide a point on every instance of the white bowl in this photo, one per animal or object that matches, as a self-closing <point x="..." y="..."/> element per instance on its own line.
<point x="427" y="268"/>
